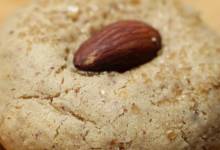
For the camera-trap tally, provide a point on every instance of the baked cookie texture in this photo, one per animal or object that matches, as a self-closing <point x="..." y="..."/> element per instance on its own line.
<point x="172" y="102"/>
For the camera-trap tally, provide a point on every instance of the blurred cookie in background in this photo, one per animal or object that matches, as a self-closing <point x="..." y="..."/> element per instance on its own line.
<point x="209" y="10"/>
<point x="1" y="148"/>
<point x="9" y="6"/>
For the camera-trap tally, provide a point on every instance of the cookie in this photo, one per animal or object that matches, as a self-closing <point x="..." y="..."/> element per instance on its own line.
<point x="1" y="148"/>
<point x="171" y="102"/>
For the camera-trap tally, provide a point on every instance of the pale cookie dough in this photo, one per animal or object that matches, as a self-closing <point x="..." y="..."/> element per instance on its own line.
<point x="170" y="103"/>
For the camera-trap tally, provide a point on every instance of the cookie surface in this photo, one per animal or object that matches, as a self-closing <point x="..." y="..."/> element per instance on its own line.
<point x="172" y="102"/>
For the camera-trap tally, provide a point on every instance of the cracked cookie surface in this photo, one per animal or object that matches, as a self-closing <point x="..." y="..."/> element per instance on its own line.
<point x="172" y="102"/>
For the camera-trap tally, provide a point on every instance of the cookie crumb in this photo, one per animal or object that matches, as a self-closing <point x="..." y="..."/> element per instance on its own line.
<point x="73" y="12"/>
<point x="171" y="135"/>
<point x="135" y="109"/>
<point x="135" y="2"/>
<point x="102" y="92"/>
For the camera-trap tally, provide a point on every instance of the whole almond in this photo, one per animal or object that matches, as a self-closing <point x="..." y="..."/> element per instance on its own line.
<point x="119" y="47"/>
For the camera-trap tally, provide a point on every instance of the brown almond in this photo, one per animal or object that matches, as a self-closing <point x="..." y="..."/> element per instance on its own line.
<point x="119" y="47"/>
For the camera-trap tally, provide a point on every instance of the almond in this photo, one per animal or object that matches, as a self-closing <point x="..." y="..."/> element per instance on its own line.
<point x="119" y="47"/>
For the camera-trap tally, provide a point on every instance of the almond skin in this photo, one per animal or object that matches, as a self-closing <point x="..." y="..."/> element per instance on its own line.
<point x="118" y="47"/>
